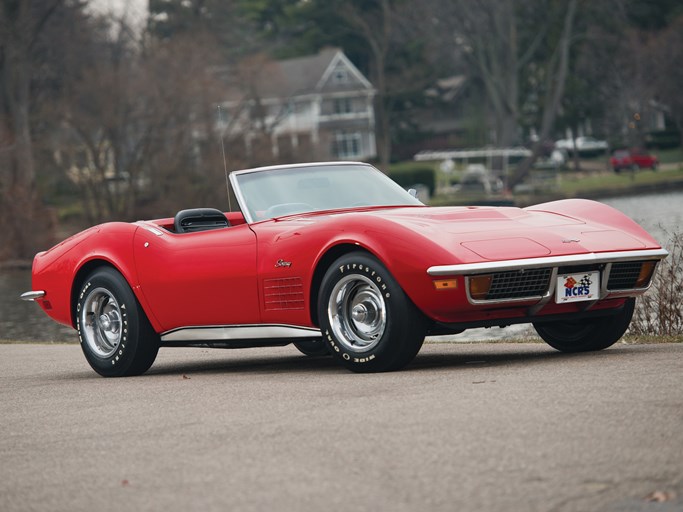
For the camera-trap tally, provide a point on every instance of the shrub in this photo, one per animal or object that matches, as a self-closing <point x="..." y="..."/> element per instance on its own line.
<point x="660" y="310"/>
<point x="409" y="175"/>
<point x="662" y="139"/>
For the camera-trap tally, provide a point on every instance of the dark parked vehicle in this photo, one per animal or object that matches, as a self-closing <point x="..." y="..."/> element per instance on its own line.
<point x="633" y="159"/>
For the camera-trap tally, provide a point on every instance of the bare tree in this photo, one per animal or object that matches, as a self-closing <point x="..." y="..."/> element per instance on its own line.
<point x="502" y="40"/>
<point x="21" y="25"/>
<point x="486" y="34"/>
<point x="137" y="121"/>
<point x="556" y="77"/>
<point x="388" y="27"/>
<point x="665" y="56"/>
<point x="376" y="26"/>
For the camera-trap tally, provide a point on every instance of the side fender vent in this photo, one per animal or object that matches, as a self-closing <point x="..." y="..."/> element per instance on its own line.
<point x="199" y="219"/>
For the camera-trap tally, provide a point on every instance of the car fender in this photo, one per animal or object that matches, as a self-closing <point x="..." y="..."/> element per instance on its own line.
<point x="61" y="270"/>
<point x="403" y="251"/>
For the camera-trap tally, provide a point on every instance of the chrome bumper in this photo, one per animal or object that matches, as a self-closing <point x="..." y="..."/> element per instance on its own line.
<point x="549" y="261"/>
<point x="33" y="295"/>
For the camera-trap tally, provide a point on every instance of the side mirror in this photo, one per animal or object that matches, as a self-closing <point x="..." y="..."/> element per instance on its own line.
<point x="412" y="192"/>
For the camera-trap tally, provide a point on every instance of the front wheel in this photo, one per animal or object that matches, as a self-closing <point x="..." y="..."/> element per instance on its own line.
<point x="368" y="323"/>
<point x="115" y="335"/>
<point x="587" y="335"/>
<point x="312" y="348"/>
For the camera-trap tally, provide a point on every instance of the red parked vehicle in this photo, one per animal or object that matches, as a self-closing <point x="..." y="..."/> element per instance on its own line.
<point x="338" y="259"/>
<point x="633" y="159"/>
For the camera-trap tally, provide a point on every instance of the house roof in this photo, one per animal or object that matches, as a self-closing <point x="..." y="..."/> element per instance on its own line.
<point x="294" y="77"/>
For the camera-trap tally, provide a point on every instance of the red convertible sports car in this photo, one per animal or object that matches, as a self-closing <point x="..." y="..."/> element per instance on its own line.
<point x="338" y="259"/>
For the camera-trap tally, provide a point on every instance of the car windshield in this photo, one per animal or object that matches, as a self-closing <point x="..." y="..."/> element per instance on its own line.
<point x="274" y="192"/>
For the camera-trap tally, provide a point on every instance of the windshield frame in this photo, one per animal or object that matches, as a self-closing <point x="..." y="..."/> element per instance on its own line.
<point x="244" y="204"/>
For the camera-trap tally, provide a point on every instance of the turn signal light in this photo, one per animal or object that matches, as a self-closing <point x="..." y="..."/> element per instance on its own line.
<point x="445" y="284"/>
<point x="646" y="270"/>
<point x="480" y="286"/>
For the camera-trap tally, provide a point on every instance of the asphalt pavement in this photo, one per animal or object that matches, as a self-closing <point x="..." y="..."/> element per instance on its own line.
<point x="466" y="427"/>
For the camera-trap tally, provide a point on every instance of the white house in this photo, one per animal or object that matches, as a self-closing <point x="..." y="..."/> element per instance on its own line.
<point x="317" y="107"/>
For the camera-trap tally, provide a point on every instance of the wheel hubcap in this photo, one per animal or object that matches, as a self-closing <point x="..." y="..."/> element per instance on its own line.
<point x="101" y="322"/>
<point x="357" y="313"/>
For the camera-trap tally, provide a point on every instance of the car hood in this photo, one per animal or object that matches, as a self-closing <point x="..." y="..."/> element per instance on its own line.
<point x="489" y="233"/>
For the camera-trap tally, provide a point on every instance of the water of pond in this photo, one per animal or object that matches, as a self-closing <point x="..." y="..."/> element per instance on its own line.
<point x="660" y="214"/>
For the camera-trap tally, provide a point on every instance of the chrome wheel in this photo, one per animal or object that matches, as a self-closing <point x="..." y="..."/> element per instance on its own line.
<point x="357" y="313"/>
<point x="366" y="320"/>
<point x="101" y="322"/>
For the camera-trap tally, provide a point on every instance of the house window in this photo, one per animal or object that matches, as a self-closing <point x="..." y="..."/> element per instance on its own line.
<point x="340" y="76"/>
<point x="347" y="145"/>
<point x="342" y="106"/>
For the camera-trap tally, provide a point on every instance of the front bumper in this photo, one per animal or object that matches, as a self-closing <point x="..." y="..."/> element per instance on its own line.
<point x="33" y="295"/>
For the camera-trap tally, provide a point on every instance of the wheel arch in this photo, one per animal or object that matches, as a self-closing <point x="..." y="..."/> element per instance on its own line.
<point x="324" y="262"/>
<point x="79" y="279"/>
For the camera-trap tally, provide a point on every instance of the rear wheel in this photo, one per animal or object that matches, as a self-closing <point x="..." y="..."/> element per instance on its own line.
<point x="368" y="323"/>
<point x="587" y="335"/>
<point x="115" y="335"/>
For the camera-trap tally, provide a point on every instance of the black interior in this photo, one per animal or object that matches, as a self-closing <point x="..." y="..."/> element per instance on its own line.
<point x="199" y="219"/>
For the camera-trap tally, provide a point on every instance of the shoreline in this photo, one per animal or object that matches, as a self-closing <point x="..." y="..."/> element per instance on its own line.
<point x="639" y="189"/>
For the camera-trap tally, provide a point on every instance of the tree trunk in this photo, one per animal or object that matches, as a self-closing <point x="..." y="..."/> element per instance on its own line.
<point x="555" y="90"/>
<point x="377" y="33"/>
<point x="19" y="176"/>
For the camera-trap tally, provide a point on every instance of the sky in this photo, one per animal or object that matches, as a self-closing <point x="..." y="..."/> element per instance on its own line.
<point x="136" y="10"/>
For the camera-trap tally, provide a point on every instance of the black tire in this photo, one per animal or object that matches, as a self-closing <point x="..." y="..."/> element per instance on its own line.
<point x="313" y="348"/>
<point x="115" y="334"/>
<point x="587" y="335"/>
<point x="368" y="323"/>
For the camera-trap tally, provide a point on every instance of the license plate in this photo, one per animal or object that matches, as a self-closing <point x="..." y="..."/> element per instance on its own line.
<point x="577" y="287"/>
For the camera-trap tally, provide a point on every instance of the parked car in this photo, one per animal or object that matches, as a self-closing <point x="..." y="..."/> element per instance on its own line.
<point x="633" y="159"/>
<point x="338" y="259"/>
<point x="584" y="145"/>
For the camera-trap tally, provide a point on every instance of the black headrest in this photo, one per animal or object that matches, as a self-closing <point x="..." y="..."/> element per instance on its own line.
<point x="199" y="219"/>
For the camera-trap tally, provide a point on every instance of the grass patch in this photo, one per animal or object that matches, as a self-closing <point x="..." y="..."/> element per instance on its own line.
<point x="411" y="165"/>
<point x="578" y="183"/>
<point x="669" y="156"/>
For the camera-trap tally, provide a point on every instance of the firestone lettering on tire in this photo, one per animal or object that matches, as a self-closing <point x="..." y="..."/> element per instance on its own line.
<point x="124" y="332"/>
<point x="367" y="270"/>
<point x="78" y="311"/>
<point x="345" y="355"/>
<point x="334" y="346"/>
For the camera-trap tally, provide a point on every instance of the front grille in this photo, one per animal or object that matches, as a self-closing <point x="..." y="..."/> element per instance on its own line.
<point x="518" y="284"/>
<point x="624" y="275"/>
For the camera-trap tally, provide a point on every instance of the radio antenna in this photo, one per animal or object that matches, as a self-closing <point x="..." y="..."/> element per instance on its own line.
<point x="225" y="163"/>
